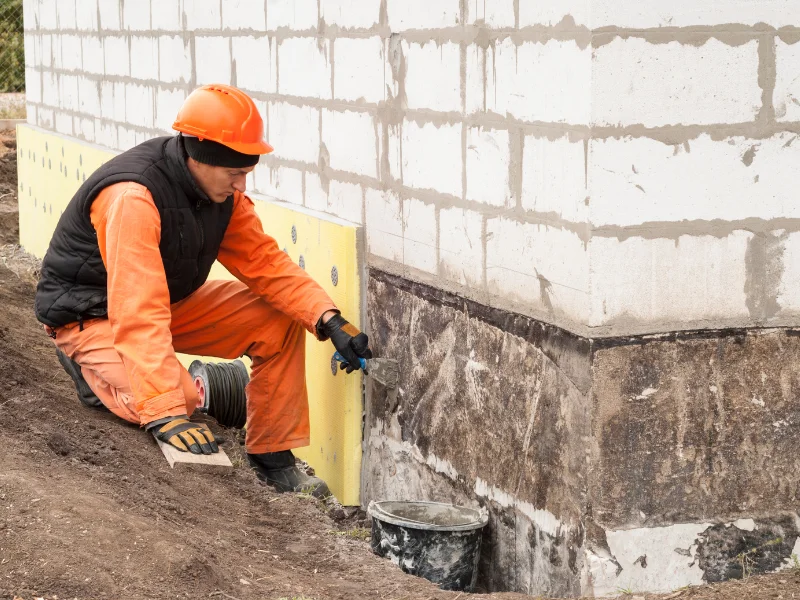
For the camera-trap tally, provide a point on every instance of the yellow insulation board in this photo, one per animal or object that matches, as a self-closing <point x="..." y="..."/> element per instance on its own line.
<point x="52" y="167"/>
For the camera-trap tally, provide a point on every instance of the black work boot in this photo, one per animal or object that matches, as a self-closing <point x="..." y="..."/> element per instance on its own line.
<point x="280" y="470"/>
<point x="85" y="393"/>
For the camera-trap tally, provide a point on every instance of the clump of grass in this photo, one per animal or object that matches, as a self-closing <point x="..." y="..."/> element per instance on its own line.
<point x="358" y="533"/>
<point x="795" y="568"/>
<point x="746" y="560"/>
<point x="15" y="111"/>
<point x="625" y="591"/>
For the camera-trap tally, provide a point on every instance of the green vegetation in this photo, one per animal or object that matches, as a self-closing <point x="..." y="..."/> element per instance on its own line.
<point x="12" y="47"/>
<point x="746" y="559"/>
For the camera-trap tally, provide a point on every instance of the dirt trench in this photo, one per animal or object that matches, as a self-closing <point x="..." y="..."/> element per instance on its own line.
<point x="89" y="508"/>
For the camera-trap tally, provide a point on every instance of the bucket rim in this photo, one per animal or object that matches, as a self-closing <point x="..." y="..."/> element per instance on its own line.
<point x="376" y="511"/>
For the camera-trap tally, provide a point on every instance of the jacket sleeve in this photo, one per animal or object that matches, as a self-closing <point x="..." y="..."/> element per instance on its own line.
<point x="128" y="230"/>
<point x="254" y="258"/>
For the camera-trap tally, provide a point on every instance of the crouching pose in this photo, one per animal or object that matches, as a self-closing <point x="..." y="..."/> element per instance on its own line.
<point x="124" y="287"/>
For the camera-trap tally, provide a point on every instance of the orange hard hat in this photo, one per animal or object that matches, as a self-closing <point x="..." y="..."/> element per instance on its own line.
<point x="223" y="114"/>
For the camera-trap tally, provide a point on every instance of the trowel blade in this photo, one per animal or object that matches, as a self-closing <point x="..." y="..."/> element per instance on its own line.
<point x="384" y="371"/>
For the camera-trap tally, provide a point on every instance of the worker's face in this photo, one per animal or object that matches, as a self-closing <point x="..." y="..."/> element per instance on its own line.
<point x="218" y="182"/>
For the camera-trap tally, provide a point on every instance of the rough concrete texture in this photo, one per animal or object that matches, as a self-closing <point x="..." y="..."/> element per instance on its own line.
<point x="693" y="428"/>
<point x="642" y="463"/>
<point x="527" y="461"/>
<point x="564" y="122"/>
<point x="694" y="472"/>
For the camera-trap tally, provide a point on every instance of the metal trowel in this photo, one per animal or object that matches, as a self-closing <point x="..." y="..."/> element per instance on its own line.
<point x="382" y="370"/>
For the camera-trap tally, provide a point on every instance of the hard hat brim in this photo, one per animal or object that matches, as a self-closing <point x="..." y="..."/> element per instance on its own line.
<point x="261" y="147"/>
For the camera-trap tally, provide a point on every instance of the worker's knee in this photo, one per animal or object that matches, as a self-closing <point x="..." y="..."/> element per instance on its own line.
<point x="278" y="334"/>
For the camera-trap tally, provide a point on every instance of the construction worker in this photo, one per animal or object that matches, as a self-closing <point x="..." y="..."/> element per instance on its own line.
<point x="123" y="288"/>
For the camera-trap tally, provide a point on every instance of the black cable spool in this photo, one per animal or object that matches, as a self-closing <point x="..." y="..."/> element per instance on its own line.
<point x="221" y="388"/>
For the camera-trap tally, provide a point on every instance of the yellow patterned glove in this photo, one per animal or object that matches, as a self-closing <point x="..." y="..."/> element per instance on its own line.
<point x="187" y="436"/>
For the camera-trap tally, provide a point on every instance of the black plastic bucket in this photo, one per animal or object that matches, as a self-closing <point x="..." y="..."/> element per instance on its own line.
<point x="439" y="542"/>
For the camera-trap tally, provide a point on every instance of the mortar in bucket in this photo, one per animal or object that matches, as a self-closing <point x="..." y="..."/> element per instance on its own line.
<point x="440" y="542"/>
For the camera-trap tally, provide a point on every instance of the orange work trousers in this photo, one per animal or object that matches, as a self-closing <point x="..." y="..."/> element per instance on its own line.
<point x="226" y="320"/>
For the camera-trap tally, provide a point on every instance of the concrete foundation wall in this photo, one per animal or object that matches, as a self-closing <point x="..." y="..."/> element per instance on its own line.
<point x="640" y="463"/>
<point x="527" y="384"/>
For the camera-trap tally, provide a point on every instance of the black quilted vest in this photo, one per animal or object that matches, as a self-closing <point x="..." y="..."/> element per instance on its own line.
<point x="73" y="283"/>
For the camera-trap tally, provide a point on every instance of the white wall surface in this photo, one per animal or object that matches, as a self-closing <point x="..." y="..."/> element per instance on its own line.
<point x="613" y="167"/>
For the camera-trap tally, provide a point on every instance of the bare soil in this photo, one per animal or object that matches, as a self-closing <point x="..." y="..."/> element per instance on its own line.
<point x="90" y="509"/>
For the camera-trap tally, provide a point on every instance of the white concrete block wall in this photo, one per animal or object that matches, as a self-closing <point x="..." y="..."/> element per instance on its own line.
<point x="555" y="12"/>
<point x="535" y="82"/>
<point x="283" y="183"/>
<point x="688" y="279"/>
<point x="420" y="236"/>
<point x="297" y="15"/>
<point x="202" y="14"/>
<point x="294" y="132"/>
<point x="351" y="139"/>
<point x="168" y="16"/>
<point x="86" y="14"/>
<point x="593" y="163"/>
<point x="244" y="14"/>
<point x="487" y="166"/>
<point x="786" y="98"/>
<point x="788" y="296"/>
<point x="92" y="53"/>
<point x="261" y="76"/>
<point x="174" y="59"/>
<point x="423" y="14"/>
<point x="498" y="14"/>
<point x="689" y="13"/>
<point x="144" y="57"/>
<point x="116" y="56"/>
<point x="168" y="102"/>
<point x="136" y="16"/>
<point x="555" y="177"/>
<point x="641" y="180"/>
<point x="213" y="59"/>
<point x="430" y="158"/>
<point x="109" y="11"/>
<point x="433" y="80"/>
<point x="351" y="14"/>
<point x="384" y="221"/>
<point x="304" y="64"/>
<point x="461" y="246"/>
<point x="675" y="83"/>
<point x="521" y="264"/>
<point x="346" y="200"/>
<point x="361" y="70"/>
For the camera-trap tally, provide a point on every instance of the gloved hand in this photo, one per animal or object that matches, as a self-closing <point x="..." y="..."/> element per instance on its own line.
<point x="348" y="340"/>
<point x="186" y="436"/>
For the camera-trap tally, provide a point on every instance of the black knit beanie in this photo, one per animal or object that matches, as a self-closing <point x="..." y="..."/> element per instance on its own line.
<point x="217" y="155"/>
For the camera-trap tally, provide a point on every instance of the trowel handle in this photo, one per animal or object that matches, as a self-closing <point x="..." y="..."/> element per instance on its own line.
<point x="344" y="361"/>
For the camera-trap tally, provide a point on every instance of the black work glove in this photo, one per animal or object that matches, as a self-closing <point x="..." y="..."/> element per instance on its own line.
<point x="186" y="436"/>
<point x="348" y="340"/>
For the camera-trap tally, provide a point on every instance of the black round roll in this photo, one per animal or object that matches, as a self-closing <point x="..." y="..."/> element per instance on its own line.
<point x="224" y="389"/>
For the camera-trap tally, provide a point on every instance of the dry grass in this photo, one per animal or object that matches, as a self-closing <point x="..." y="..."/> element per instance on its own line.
<point x="12" y="106"/>
<point x="23" y="265"/>
<point x="359" y="533"/>
<point x="16" y="111"/>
